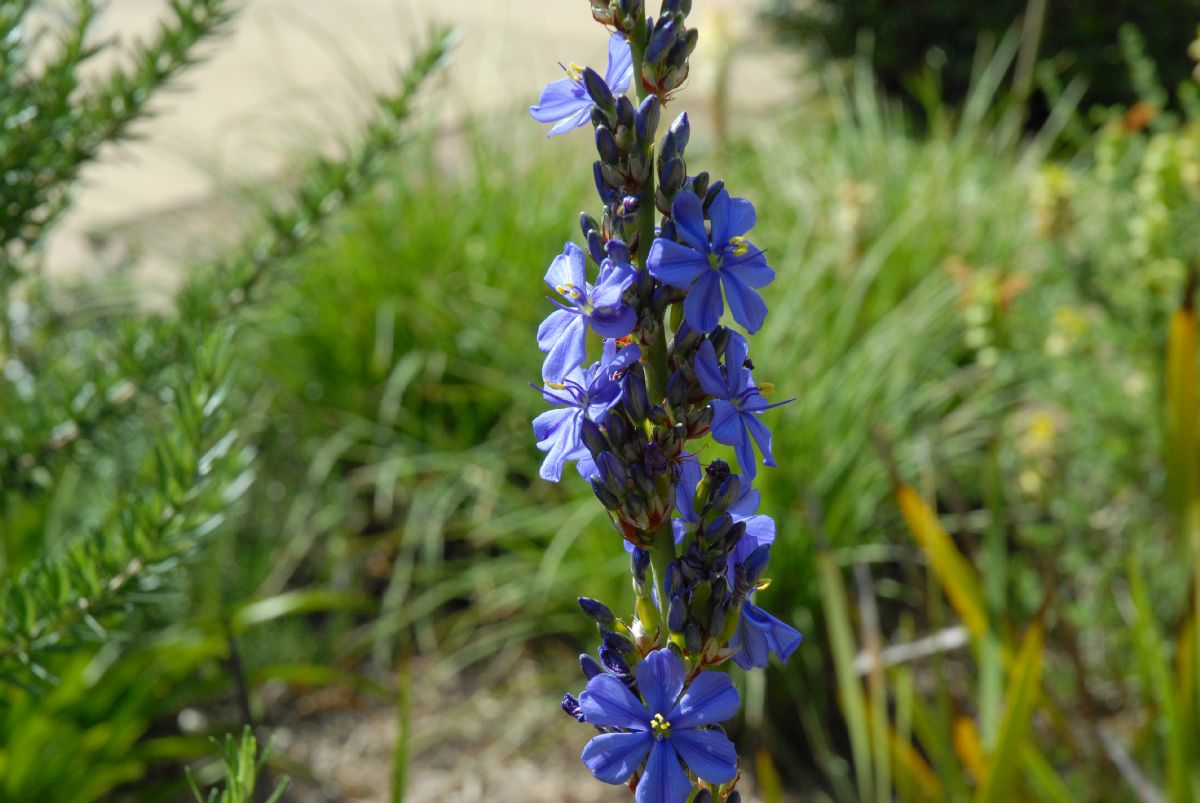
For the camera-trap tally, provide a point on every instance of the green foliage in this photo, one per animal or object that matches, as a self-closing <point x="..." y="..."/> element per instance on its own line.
<point x="242" y="764"/>
<point x="911" y="43"/>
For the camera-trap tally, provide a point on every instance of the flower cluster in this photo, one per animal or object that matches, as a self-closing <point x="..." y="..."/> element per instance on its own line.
<point x="651" y="283"/>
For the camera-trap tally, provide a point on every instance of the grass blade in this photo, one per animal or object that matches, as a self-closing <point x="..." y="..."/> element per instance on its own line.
<point x="999" y="783"/>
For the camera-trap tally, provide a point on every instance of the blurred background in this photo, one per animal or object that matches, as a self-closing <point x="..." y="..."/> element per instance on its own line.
<point x="271" y="274"/>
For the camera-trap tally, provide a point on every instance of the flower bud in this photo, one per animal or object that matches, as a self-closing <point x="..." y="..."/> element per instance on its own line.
<point x="654" y="459"/>
<point x="606" y="497"/>
<point x="662" y="39"/>
<point x="618" y="430"/>
<point x="719" y="338"/>
<point x="716" y="616"/>
<point x="639" y="564"/>
<point x="726" y="491"/>
<point x="648" y="115"/>
<point x="671" y="176"/>
<point x="677" y="392"/>
<point x="684" y="342"/>
<point x="717" y="529"/>
<point x="589" y="666"/>
<point x="587" y="223"/>
<point x="682" y="129"/>
<point x="572" y="707"/>
<point x="606" y="145"/>
<point x="642" y="481"/>
<point x="699" y="420"/>
<point x="677" y="614"/>
<point x="617" y="642"/>
<point x="699" y="184"/>
<point x="626" y="115"/>
<point x="615" y="663"/>
<point x="657" y="415"/>
<point x="703" y="797"/>
<point x="612" y="473"/>
<point x="592" y="436"/>
<point x="598" y="611"/>
<point x="756" y="563"/>
<point x="714" y="190"/>
<point x="601" y="95"/>
<point x="617" y="250"/>
<point x="635" y="511"/>
<point x="634" y="395"/>
<point x="735" y="534"/>
<point x="734" y="797"/>
<point x="692" y="638"/>
<point x="603" y="188"/>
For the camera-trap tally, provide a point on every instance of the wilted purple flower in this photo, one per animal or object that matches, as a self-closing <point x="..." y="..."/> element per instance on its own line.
<point x="566" y="102"/>
<point x="662" y="729"/>
<point x="563" y="335"/>
<point x="724" y="258"/>
<point x="737" y="402"/>
<point x="589" y="392"/>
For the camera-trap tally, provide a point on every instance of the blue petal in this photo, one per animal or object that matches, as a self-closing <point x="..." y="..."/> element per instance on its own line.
<point x="607" y="701"/>
<point x="752" y="269"/>
<point x="569" y="267"/>
<point x="702" y="307"/>
<point x="551" y="330"/>
<point x="762" y="436"/>
<point x="743" y="448"/>
<point x="688" y="213"/>
<point x="559" y="99"/>
<point x="665" y="780"/>
<point x="759" y="634"/>
<point x="685" y="487"/>
<point x="615" y="323"/>
<point x="619" y="74"/>
<point x="746" y="306"/>
<point x="736" y="350"/>
<point x="735" y="217"/>
<point x="709" y="372"/>
<point x="563" y="444"/>
<point x="760" y="530"/>
<point x="746" y="503"/>
<point x="568" y="351"/>
<point x="710" y="699"/>
<point x="579" y="118"/>
<point x="726" y="425"/>
<point x="708" y="753"/>
<point x="660" y="679"/>
<point x="546" y="424"/>
<point x="675" y="264"/>
<point x="613" y="757"/>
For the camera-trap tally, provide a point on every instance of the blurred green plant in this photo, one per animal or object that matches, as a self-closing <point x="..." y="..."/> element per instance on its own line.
<point x="243" y="764"/>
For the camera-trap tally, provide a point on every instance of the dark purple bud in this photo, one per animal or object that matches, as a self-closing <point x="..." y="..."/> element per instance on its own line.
<point x="714" y="190"/>
<point x="684" y="342"/>
<point x="699" y="184"/>
<point x="668" y="7"/>
<point x="692" y="638"/>
<point x="677" y="391"/>
<point x="667" y="230"/>
<point x="719" y="338"/>
<point x="587" y="223"/>
<point x="592" y="436"/>
<point x="648" y="115"/>
<point x="692" y="39"/>
<point x="606" y="146"/>
<point x="735" y="534"/>
<point x="672" y="176"/>
<point x="595" y="245"/>
<point x="601" y="95"/>
<point x="677" y="614"/>
<point x="642" y="481"/>
<point x="677" y="57"/>
<point x="756" y="563"/>
<point x="703" y="797"/>
<point x="617" y="642"/>
<point x="726" y="491"/>
<point x="632" y="8"/>
<point x="606" y="497"/>
<point x="634" y="511"/>
<point x="700" y="420"/>
<point x="618" y="430"/>
<point x="718" y="471"/>
<point x="612" y="473"/>
<point x="589" y="666"/>
<point x="572" y="707"/>
<point x="635" y="396"/>
<point x="617" y="250"/>
<point x="674" y="582"/>
<point x="603" y="189"/>
<point x="598" y="611"/>
<point x="716" y="530"/>
<point x="716" y="615"/>
<point x="614" y="662"/>
<point x="626" y="115"/>
<point x="682" y="129"/>
<point x="662" y="39"/>
<point x="599" y="117"/>
<point x="669" y="148"/>
<point x="654" y="459"/>
<point x="734" y="797"/>
<point x="657" y="415"/>
<point x="639" y="564"/>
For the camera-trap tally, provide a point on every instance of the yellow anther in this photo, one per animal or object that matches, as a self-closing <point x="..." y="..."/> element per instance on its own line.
<point x="659" y="725"/>
<point x="740" y="246"/>
<point x="569" y="289"/>
<point x="767" y="389"/>
<point x="556" y="386"/>
<point x="575" y="72"/>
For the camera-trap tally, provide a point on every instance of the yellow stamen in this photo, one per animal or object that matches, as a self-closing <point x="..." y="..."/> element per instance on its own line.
<point x="575" y="72"/>
<point x="556" y="386"/>
<point x="767" y="389"/>
<point x="659" y="725"/>
<point x="569" y="289"/>
<point x="740" y="246"/>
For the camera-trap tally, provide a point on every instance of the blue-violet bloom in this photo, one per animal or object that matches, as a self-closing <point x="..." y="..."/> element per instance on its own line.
<point x="664" y="730"/>
<point x="737" y="402"/>
<point x="563" y="335"/>
<point x="566" y="102"/>
<point x="758" y="635"/>
<point x="706" y="263"/>
<point x="590" y="391"/>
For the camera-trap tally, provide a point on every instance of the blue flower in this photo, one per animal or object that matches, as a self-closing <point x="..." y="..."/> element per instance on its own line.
<point x="583" y="392"/>
<point x="758" y="635"/>
<point x="666" y="729"/>
<point x="563" y="335"/>
<point x="707" y="263"/>
<point x="566" y="103"/>
<point x="737" y="402"/>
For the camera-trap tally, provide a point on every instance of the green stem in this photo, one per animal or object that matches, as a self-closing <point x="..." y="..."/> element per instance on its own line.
<point x="662" y="552"/>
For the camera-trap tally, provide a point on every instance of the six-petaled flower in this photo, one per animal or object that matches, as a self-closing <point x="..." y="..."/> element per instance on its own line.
<point x="737" y="402"/>
<point x="706" y="262"/>
<point x="667" y="729"/>
<point x="566" y="102"/>
<point x="563" y="335"/>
